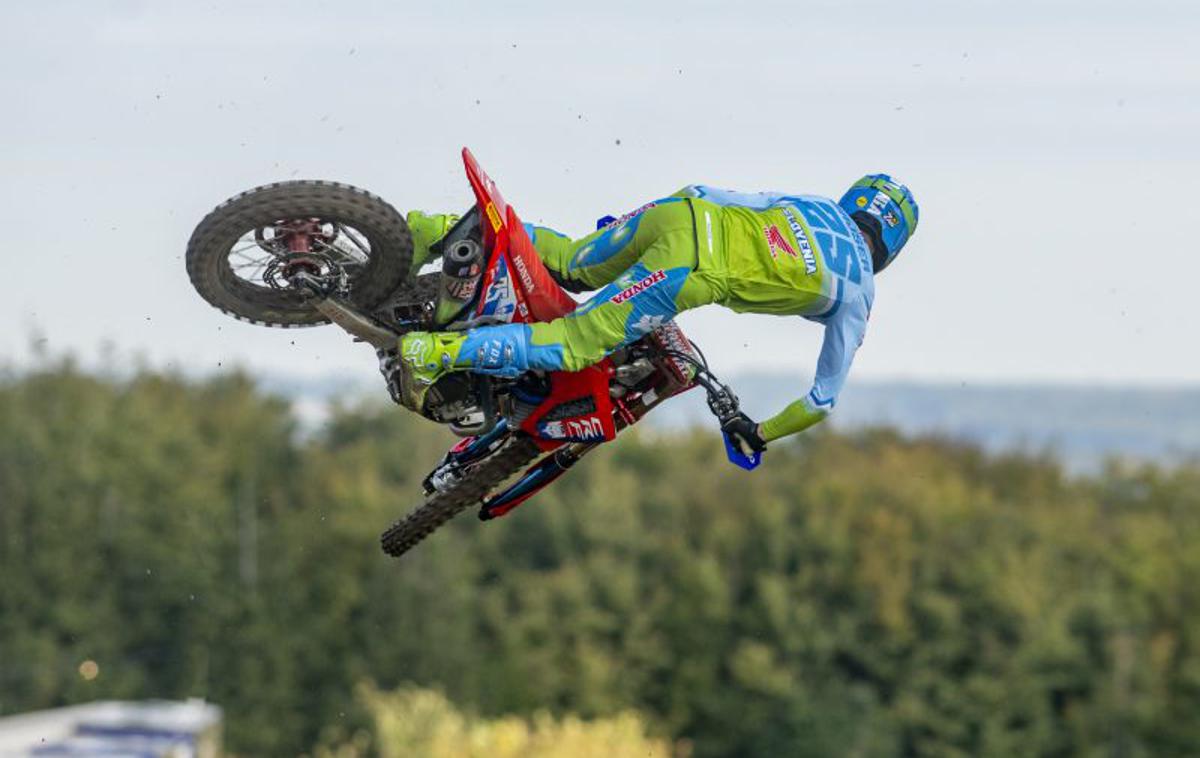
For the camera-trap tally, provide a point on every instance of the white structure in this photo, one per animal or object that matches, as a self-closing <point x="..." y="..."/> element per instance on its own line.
<point x="145" y="729"/>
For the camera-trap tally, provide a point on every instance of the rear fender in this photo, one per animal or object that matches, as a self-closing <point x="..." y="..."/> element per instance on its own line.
<point x="513" y="260"/>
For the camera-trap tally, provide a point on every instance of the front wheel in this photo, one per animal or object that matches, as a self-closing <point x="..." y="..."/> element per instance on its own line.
<point x="240" y="256"/>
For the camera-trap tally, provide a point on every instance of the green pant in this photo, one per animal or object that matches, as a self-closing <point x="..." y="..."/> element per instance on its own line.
<point x="646" y="266"/>
<point x="664" y="258"/>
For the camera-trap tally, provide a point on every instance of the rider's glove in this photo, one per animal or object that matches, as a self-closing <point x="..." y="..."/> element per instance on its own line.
<point x="744" y="432"/>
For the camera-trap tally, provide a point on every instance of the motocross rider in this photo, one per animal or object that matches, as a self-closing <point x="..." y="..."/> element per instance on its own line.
<point x="767" y="252"/>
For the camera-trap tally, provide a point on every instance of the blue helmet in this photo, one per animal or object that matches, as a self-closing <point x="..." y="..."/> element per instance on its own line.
<point x="885" y="210"/>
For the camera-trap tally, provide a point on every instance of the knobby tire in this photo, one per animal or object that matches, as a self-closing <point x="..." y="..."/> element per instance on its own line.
<point x="440" y="507"/>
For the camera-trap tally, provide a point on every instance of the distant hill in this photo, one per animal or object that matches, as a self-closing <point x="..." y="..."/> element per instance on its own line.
<point x="1082" y="425"/>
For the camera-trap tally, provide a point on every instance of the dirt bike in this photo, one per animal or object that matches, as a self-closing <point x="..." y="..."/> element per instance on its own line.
<point x="304" y="253"/>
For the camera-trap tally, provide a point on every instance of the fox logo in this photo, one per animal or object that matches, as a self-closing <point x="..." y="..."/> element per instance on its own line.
<point x="776" y="241"/>
<point x="414" y="351"/>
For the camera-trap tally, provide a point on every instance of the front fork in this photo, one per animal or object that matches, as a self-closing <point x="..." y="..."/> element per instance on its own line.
<point x="468" y="451"/>
<point x="541" y="474"/>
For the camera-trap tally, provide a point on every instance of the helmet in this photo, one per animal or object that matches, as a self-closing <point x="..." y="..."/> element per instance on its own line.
<point x="886" y="211"/>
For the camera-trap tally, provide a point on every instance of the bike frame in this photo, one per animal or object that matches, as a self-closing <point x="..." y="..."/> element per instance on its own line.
<point x="581" y="409"/>
<point x="517" y="284"/>
<point x="490" y="274"/>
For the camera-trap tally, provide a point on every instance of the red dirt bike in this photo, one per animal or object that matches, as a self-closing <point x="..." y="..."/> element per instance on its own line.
<point x="304" y="253"/>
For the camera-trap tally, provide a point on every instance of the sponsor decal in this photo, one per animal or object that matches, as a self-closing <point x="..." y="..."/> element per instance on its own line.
<point x="493" y="215"/>
<point x="806" y="251"/>
<point x="581" y="430"/>
<point x="490" y="353"/>
<point x="861" y="201"/>
<point x="675" y="341"/>
<point x="500" y="300"/>
<point x="878" y="203"/>
<point x="627" y="216"/>
<point x="776" y="241"/>
<point x="863" y="252"/>
<point x="890" y="219"/>
<point x="463" y="289"/>
<point x="641" y="286"/>
<point x="526" y="279"/>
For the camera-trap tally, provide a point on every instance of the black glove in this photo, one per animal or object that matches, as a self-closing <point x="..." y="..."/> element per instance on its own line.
<point x="744" y="432"/>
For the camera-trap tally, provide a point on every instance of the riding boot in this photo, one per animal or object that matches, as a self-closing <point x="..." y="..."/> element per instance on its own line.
<point x="426" y="357"/>
<point x="426" y="229"/>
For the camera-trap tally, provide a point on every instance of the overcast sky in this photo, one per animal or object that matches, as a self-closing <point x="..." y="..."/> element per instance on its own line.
<point x="1053" y="147"/>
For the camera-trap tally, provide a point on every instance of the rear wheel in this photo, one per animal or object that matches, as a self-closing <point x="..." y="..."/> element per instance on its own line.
<point x="240" y="256"/>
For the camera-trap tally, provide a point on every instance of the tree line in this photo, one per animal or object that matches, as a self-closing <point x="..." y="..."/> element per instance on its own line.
<point x="860" y="594"/>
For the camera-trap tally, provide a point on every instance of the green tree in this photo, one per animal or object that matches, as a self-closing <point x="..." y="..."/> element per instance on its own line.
<point x="860" y="594"/>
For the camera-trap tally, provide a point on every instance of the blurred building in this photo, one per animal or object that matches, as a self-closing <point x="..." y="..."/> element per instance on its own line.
<point x="145" y="729"/>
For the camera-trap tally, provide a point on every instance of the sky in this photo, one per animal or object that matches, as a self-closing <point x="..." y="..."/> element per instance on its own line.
<point x="1052" y="147"/>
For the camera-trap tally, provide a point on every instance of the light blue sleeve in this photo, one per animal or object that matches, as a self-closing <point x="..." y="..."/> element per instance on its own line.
<point x="844" y="332"/>
<point x="754" y="200"/>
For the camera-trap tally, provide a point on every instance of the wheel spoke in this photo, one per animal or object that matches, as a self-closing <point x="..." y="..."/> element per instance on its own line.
<point x="341" y="254"/>
<point x="324" y="237"/>
<point x="351" y="233"/>
<point x="244" y="256"/>
<point x="248" y="267"/>
<point x="251" y="246"/>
